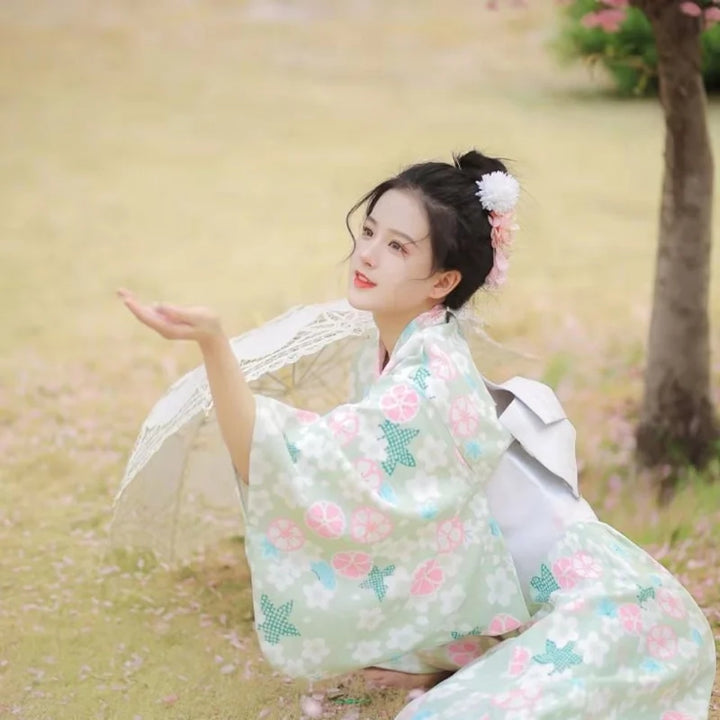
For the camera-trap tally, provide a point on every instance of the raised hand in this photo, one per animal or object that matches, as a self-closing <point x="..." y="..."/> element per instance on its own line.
<point x="173" y="322"/>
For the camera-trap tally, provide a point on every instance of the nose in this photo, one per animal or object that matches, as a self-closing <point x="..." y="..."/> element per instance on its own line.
<point x="366" y="254"/>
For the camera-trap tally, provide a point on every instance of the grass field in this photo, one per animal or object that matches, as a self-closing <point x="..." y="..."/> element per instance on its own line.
<point x="206" y="152"/>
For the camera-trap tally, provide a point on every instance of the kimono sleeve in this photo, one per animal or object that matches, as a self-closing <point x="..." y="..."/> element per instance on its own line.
<point x="368" y="533"/>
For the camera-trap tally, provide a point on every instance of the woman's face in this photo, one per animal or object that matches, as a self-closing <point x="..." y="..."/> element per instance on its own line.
<point x="390" y="266"/>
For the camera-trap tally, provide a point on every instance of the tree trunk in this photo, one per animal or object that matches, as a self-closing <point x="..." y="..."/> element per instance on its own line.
<point x="677" y="424"/>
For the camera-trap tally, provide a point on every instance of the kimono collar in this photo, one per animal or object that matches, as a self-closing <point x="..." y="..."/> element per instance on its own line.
<point x="436" y="315"/>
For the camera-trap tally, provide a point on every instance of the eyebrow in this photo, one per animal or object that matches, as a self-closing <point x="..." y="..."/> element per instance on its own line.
<point x="391" y="230"/>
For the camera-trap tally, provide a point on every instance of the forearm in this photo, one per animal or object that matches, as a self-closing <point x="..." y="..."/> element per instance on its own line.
<point x="233" y="399"/>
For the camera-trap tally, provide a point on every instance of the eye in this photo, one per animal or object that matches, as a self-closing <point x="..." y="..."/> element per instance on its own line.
<point x="366" y="231"/>
<point x="395" y="245"/>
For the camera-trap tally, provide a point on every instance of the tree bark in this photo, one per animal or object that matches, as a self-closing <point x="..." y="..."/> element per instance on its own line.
<point x="677" y="424"/>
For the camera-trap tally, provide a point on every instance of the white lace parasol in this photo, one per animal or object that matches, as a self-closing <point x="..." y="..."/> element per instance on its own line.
<point x="179" y="493"/>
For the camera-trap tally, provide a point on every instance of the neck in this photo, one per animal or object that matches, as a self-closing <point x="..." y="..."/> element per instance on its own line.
<point x="391" y="325"/>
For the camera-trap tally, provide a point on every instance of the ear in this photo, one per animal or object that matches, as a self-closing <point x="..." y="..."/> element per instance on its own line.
<point x="445" y="282"/>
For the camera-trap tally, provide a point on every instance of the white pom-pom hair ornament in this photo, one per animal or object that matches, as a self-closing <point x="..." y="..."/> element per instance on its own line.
<point x="498" y="192"/>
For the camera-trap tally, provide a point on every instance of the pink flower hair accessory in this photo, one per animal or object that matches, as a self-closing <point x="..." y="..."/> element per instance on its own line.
<point x="499" y="193"/>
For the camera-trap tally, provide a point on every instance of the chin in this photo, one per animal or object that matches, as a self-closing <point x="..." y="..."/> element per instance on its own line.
<point x="358" y="303"/>
<point x="358" y="300"/>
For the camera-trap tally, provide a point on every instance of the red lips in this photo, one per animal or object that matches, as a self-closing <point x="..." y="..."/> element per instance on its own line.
<point x="362" y="281"/>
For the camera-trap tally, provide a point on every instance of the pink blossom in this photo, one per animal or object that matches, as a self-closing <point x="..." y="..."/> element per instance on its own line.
<point x="311" y="707"/>
<point x="690" y="8"/>
<point x="502" y="230"/>
<point x="609" y="20"/>
<point x="712" y="15"/>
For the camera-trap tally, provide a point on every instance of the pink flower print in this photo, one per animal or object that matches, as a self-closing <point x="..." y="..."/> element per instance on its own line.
<point x="369" y="525"/>
<point x="463" y="417"/>
<point x="352" y="564"/>
<point x="305" y="416"/>
<point x="400" y="403"/>
<point x="427" y="578"/>
<point x="285" y="535"/>
<point x="440" y="365"/>
<point x="502" y="624"/>
<point x="463" y="651"/>
<point x="326" y="518"/>
<point x="670" y="603"/>
<point x="586" y="566"/>
<point x="344" y="425"/>
<point x="450" y="535"/>
<point x="662" y="642"/>
<point x="518" y="660"/>
<point x="631" y="617"/>
<point x="564" y="572"/>
<point x="675" y="715"/>
<point x="370" y="472"/>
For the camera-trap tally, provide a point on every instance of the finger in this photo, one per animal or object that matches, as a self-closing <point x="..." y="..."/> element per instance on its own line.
<point x="144" y="314"/>
<point x="170" y="310"/>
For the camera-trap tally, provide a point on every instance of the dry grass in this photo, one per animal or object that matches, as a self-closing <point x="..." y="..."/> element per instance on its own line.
<point x="207" y="152"/>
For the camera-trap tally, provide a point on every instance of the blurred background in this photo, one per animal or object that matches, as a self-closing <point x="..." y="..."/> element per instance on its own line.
<point x="206" y="152"/>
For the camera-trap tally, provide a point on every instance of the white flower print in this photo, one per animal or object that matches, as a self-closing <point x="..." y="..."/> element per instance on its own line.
<point x="452" y="563"/>
<point x="452" y="599"/>
<point x="431" y="456"/>
<point x="370" y="618"/>
<point x="398" y="583"/>
<point x="371" y="444"/>
<point x="426" y="537"/>
<point x="318" y="596"/>
<point x="501" y="587"/>
<point x="263" y="467"/>
<point x="315" y="650"/>
<point x="281" y="574"/>
<point x="564" y="630"/>
<point x="366" y="651"/>
<point x="402" y="549"/>
<point x="611" y="628"/>
<point x="288" y="499"/>
<point x="261" y="502"/>
<point x="593" y="649"/>
<point x="403" y="638"/>
<point x="425" y="488"/>
<point x="274" y="653"/>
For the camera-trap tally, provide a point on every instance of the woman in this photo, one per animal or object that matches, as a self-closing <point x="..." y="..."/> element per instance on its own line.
<point x="383" y="534"/>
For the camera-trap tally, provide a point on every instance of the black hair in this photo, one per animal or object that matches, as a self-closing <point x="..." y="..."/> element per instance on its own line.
<point x="459" y="225"/>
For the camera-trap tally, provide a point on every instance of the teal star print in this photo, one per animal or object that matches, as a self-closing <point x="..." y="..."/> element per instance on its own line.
<point x="545" y="584"/>
<point x="276" y="620"/>
<point x="292" y="448"/>
<point x="420" y="378"/>
<point x="397" y="440"/>
<point x="560" y="658"/>
<point x="645" y="594"/>
<point x="376" y="580"/>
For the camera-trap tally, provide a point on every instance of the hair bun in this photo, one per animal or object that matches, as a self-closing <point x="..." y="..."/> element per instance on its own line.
<point x="475" y="164"/>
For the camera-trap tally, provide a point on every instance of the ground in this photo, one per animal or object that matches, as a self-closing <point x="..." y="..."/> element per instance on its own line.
<point x="207" y="153"/>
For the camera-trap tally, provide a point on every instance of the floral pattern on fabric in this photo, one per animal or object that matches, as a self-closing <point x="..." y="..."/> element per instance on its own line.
<point x="614" y="636"/>
<point x="374" y="516"/>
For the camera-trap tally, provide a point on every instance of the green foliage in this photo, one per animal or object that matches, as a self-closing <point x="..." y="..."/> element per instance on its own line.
<point x="629" y="55"/>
